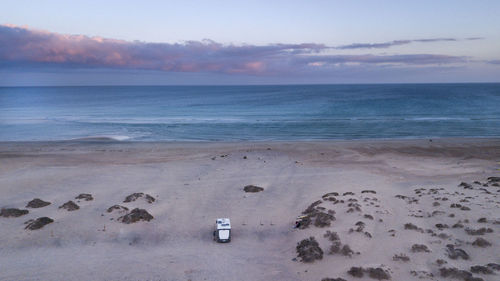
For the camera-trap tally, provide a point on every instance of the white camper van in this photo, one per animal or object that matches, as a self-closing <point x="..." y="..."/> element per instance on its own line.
<point x="222" y="232"/>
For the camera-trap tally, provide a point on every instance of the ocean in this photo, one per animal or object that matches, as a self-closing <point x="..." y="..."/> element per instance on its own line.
<point x="254" y="113"/>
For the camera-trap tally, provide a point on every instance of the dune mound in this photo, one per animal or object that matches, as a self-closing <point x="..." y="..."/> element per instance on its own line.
<point x="37" y="203"/>
<point x="253" y="188"/>
<point x="136" y="215"/>
<point x="12" y="212"/>
<point x="38" y="223"/>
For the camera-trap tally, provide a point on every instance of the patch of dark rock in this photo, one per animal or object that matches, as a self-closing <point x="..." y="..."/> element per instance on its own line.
<point x="480" y="231"/>
<point x="308" y="250"/>
<point x="458" y="225"/>
<point x="455" y="205"/>
<point x="333" y="279"/>
<point x="70" y="206"/>
<point x="401" y="257"/>
<point x="482" y="220"/>
<point x="480" y="242"/>
<point x="119" y="208"/>
<point x="13" y="212"/>
<point x="37" y="203"/>
<point x="253" y="188"/>
<point x="348" y="193"/>
<point x="481" y="269"/>
<point x="369" y="191"/>
<point x="455" y="253"/>
<point x="418" y="248"/>
<point x="465" y="208"/>
<point x="85" y="196"/>
<point x="134" y="196"/>
<point x="136" y="215"/>
<point x="366" y="216"/>
<point x="477" y="182"/>
<point x="38" y="223"/>
<point x="435" y="204"/>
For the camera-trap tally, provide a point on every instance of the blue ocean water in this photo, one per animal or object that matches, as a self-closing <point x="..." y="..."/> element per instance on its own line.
<point x="229" y="113"/>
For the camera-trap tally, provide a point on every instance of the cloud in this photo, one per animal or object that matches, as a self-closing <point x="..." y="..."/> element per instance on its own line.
<point x="400" y="42"/>
<point x="25" y="47"/>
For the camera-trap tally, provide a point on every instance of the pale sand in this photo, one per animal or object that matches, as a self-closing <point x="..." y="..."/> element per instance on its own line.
<point x="191" y="190"/>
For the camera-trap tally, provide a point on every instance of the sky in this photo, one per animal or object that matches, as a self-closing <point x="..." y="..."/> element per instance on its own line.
<point x="248" y="42"/>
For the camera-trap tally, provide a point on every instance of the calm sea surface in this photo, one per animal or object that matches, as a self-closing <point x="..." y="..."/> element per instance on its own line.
<point x="229" y="113"/>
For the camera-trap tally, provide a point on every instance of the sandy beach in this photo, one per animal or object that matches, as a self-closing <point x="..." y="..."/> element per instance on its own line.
<point x="398" y="210"/>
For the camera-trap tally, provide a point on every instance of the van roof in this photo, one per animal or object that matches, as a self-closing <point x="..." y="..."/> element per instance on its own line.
<point x="223" y="223"/>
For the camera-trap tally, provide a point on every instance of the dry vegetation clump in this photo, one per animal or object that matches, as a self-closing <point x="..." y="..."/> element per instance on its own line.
<point x="418" y="248"/>
<point x="134" y="196"/>
<point x="85" y="196"/>
<point x="456" y="273"/>
<point x="480" y="231"/>
<point x="401" y="257"/>
<point x="37" y="203"/>
<point x="308" y="250"/>
<point x="480" y="242"/>
<point x="411" y="226"/>
<point x="455" y="253"/>
<point x="70" y="206"/>
<point x="136" y="215"/>
<point x="314" y="214"/>
<point x="12" y="212"/>
<point x="119" y="208"/>
<point x="253" y="188"/>
<point x="481" y="269"/>
<point x="38" y="223"/>
<point x="374" y="273"/>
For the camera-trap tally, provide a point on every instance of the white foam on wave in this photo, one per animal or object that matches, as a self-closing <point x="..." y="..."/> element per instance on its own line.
<point x="102" y="138"/>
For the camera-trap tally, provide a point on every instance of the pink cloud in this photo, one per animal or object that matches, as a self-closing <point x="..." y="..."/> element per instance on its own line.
<point x="22" y="46"/>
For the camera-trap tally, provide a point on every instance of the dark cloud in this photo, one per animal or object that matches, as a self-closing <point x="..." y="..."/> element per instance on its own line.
<point x="25" y="47"/>
<point x="400" y="42"/>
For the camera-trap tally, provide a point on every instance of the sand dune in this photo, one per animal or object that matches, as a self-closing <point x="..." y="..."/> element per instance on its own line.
<point x="404" y="210"/>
